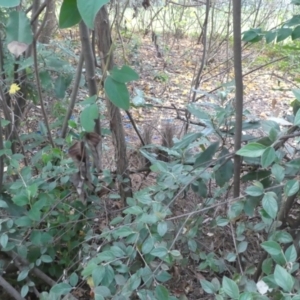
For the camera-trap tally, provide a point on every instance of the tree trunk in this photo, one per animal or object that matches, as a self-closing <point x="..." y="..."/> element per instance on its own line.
<point x="51" y="23"/>
<point x="89" y="61"/>
<point x="239" y="91"/>
<point x="104" y="43"/>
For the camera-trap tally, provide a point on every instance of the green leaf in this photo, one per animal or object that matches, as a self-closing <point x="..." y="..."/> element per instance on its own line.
<point x="283" y="33"/>
<point x="162" y="228"/>
<point x="187" y="140"/>
<point x="18" y="28"/>
<point x="102" y="291"/>
<point x="32" y="190"/>
<point x="123" y="231"/>
<point x="117" y="251"/>
<point x="242" y="246"/>
<point x="175" y="253"/>
<point x="296" y="33"/>
<point x="291" y="187"/>
<point x="278" y="172"/>
<point x="162" y="276"/>
<point x="268" y="157"/>
<point x="34" y="214"/>
<point x="133" y="210"/>
<point x="117" y="93"/>
<point x="24" y="290"/>
<point x="271" y="247"/>
<point x="20" y="200"/>
<point x="267" y="266"/>
<point x="296" y="93"/>
<point x="295" y="20"/>
<point x="159" y="252"/>
<point x="231" y="257"/>
<point x="105" y="256"/>
<point x="23" y="222"/>
<point x="149" y="218"/>
<point x="291" y="254"/>
<point x="123" y="75"/>
<point x="98" y="274"/>
<point x="205" y="157"/>
<point x="252" y="150"/>
<point x="4" y="240"/>
<point x="148" y="245"/>
<point x="161" y="293"/>
<point x="116" y="220"/>
<point x="69" y="14"/>
<point x="221" y="221"/>
<point x="88" y="117"/>
<point x="46" y="258"/>
<point x="230" y="288"/>
<point x="10" y="3"/>
<point x="89" y="9"/>
<point x="297" y="118"/>
<point x="61" y="84"/>
<point x="283" y="279"/>
<point x="250" y="35"/>
<point x="235" y="209"/>
<point x="255" y="190"/>
<point x="225" y="172"/>
<point x="192" y="245"/>
<point x="89" y="268"/>
<point x="109" y="276"/>
<point x="3" y="204"/>
<point x="270" y="204"/>
<point x="207" y="286"/>
<point x="23" y="274"/>
<point x="4" y="122"/>
<point x="283" y="237"/>
<point x="270" y="36"/>
<point x="61" y="289"/>
<point x="46" y="79"/>
<point x="73" y="279"/>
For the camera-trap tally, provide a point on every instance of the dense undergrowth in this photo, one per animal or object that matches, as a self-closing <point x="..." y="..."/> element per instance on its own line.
<point x="65" y="226"/>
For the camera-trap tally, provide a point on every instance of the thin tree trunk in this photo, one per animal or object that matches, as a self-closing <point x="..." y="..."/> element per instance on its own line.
<point x="51" y="23"/>
<point x="104" y="44"/>
<point x="89" y="65"/>
<point x="237" y="48"/>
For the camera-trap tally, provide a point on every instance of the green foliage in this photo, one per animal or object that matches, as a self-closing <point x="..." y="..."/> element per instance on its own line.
<point x="115" y="87"/>
<point x="290" y="28"/>
<point x="134" y="252"/>
<point x="69" y="14"/>
<point x="88" y="117"/>
<point x="18" y="28"/>
<point x="88" y="10"/>
<point x="73" y="11"/>
<point x="9" y="3"/>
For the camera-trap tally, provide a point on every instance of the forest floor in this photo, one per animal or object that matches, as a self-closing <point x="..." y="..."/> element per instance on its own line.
<point x="166" y="84"/>
<point x="166" y="81"/>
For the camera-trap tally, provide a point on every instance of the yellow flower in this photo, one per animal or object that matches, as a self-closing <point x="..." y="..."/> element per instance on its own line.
<point x="90" y="282"/>
<point x="13" y="89"/>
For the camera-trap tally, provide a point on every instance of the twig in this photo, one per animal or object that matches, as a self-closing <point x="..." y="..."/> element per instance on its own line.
<point x="134" y="126"/>
<point x="236" y="250"/>
<point x="10" y="289"/>
<point x="36" y="271"/>
<point x="73" y="97"/>
<point x="36" y="15"/>
<point x="38" y="83"/>
<point x="244" y="75"/>
<point x="38" y="32"/>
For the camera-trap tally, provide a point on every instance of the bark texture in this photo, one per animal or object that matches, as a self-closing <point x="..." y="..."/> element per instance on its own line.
<point x="51" y="24"/>
<point x="104" y="44"/>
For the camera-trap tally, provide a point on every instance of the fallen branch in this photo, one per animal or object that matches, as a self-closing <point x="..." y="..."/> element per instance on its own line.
<point x="10" y="289"/>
